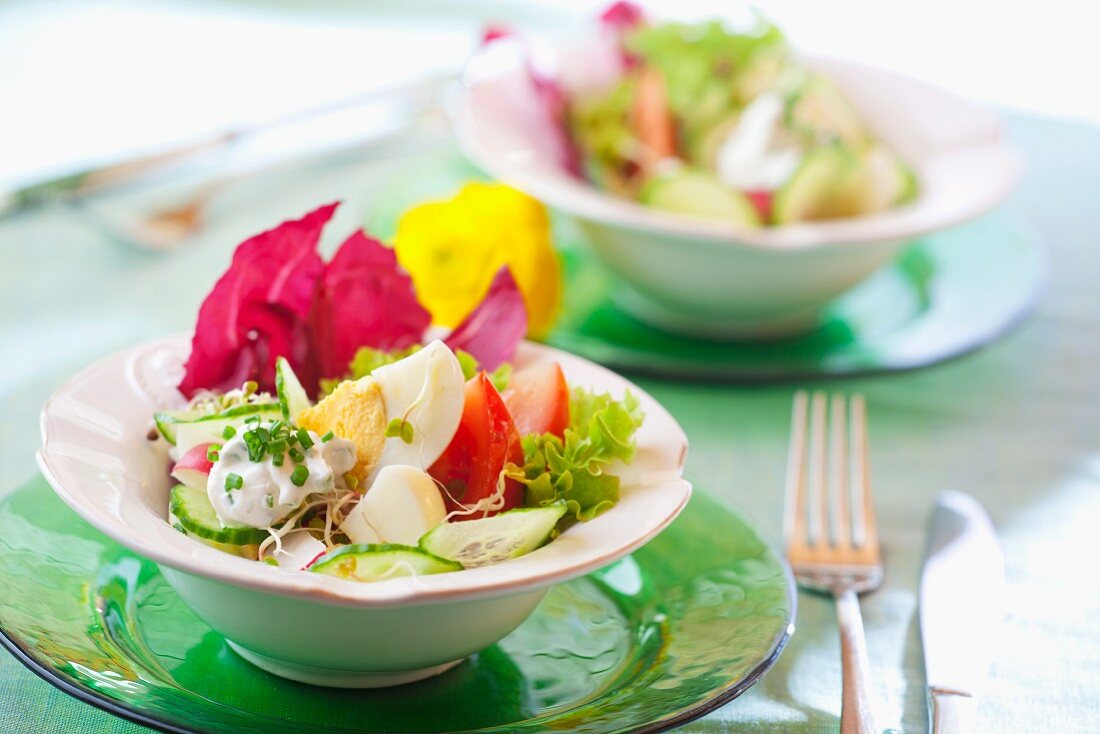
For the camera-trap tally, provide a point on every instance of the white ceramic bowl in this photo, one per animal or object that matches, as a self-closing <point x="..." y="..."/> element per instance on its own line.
<point x="713" y="279"/>
<point x="315" y="628"/>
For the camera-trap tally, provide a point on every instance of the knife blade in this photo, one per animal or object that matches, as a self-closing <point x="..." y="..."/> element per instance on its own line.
<point x="962" y="591"/>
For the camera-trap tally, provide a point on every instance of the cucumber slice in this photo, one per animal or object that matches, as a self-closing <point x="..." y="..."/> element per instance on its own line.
<point x="823" y="187"/>
<point x="169" y="421"/>
<point x="819" y="113"/>
<point x="489" y="540"/>
<point x="380" y="562"/>
<point x="210" y="428"/>
<point x="694" y="192"/>
<point x="293" y="398"/>
<point x="192" y="509"/>
<point x="166" y="422"/>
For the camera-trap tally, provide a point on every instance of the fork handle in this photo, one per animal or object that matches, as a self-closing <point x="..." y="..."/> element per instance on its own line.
<point x="856" y="716"/>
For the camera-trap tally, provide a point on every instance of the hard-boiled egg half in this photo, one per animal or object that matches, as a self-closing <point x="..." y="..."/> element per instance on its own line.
<point x="424" y="393"/>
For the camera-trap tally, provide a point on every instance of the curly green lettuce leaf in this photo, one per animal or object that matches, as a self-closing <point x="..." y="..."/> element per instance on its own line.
<point x="601" y="430"/>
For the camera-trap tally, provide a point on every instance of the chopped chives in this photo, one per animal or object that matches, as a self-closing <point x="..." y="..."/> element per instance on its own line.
<point x="277" y="459"/>
<point x="299" y="476"/>
<point x="229" y="432"/>
<point x="304" y="439"/>
<point x="271" y="561"/>
<point x="327" y="437"/>
<point x="297" y="456"/>
<point x="234" y="481"/>
<point x="212" y="451"/>
<point x="269" y="500"/>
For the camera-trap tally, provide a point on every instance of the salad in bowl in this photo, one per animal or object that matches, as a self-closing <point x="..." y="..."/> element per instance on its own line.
<point x="399" y="495"/>
<point x="733" y="187"/>
<point x="705" y="120"/>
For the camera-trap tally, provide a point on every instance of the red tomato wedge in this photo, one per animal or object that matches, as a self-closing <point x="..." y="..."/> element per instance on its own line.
<point x="485" y="442"/>
<point x="762" y="200"/>
<point x="538" y="399"/>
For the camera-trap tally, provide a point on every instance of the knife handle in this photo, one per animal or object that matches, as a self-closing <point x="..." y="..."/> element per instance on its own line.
<point x="952" y="711"/>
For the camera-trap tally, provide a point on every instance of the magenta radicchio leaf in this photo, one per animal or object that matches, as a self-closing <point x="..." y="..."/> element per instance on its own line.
<point x="622" y="15"/>
<point x="493" y="330"/>
<point x="366" y="300"/>
<point x="258" y="309"/>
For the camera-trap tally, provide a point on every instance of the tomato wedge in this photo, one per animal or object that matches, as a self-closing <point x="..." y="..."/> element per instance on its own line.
<point x="538" y="399"/>
<point x="486" y="440"/>
<point x="762" y="200"/>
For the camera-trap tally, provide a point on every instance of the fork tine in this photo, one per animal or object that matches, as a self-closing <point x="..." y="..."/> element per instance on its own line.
<point x="794" y="515"/>
<point x="817" y="496"/>
<point x="864" y="531"/>
<point x="839" y="486"/>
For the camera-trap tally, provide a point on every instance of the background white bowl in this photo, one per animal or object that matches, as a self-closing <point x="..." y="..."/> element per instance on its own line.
<point x="310" y="627"/>
<point x="713" y="279"/>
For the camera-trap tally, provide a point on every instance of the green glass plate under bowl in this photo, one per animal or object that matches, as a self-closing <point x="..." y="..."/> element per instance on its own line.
<point x="681" y="627"/>
<point x="946" y="295"/>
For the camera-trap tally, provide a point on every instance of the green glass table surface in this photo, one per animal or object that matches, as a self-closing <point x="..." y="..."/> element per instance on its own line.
<point x="1016" y="424"/>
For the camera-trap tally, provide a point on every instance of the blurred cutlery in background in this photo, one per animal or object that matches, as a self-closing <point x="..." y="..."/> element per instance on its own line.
<point x="229" y="155"/>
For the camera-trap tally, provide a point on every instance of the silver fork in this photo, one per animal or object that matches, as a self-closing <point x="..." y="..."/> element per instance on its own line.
<point x="829" y="525"/>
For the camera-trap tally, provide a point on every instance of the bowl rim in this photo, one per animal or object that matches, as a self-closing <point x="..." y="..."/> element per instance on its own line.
<point x="582" y="199"/>
<point x="179" y="552"/>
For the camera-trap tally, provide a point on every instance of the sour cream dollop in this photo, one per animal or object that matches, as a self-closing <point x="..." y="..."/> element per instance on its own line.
<point x="753" y="156"/>
<point x="267" y="495"/>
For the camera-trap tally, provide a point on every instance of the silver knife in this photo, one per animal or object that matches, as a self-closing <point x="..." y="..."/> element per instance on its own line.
<point x="962" y="588"/>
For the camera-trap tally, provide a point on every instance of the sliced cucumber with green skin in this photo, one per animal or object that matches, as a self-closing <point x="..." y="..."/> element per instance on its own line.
<point x="293" y="398"/>
<point x="169" y="421"/>
<point x="823" y="187"/>
<point x="192" y="509"/>
<point x="835" y="181"/>
<point x="211" y="428"/>
<point x="379" y="562"/>
<point x="819" y="112"/>
<point x="494" y="539"/>
<point x="697" y="193"/>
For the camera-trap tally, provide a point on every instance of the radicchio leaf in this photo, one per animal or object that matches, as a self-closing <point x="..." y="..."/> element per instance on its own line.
<point x="258" y="309"/>
<point x="365" y="300"/>
<point x="493" y="330"/>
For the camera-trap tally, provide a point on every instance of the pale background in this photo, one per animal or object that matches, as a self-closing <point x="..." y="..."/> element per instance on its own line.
<point x="90" y="80"/>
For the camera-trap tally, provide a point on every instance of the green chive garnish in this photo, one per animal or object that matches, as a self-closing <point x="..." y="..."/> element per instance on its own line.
<point x="327" y="437"/>
<point x="277" y="459"/>
<point x="270" y="500"/>
<point x="229" y="432"/>
<point x="271" y="561"/>
<point x="299" y="476"/>
<point x="234" y="481"/>
<point x="351" y="480"/>
<point x="212" y="451"/>
<point x="304" y="439"/>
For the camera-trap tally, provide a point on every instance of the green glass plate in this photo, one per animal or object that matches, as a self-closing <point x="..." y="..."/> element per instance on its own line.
<point x="664" y="636"/>
<point x="945" y="295"/>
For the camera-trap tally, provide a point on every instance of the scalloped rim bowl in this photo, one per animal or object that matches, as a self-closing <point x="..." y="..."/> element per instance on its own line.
<point x="319" y="629"/>
<point x="717" y="279"/>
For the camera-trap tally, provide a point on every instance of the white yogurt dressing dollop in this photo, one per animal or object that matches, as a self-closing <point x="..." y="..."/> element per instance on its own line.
<point x="267" y="495"/>
<point x="753" y="156"/>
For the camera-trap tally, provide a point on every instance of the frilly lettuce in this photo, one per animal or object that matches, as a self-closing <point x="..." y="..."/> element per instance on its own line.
<point x="601" y="430"/>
